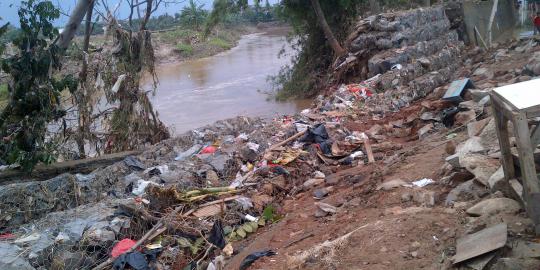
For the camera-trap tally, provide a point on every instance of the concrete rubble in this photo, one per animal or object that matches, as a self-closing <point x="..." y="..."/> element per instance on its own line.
<point x="239" y="178"/>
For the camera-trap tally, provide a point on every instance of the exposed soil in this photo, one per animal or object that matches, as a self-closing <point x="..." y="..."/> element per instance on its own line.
<point x="391" y="226"/>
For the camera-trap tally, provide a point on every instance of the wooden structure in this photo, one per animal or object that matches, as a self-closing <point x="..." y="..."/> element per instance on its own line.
<point x="520" y="104"/>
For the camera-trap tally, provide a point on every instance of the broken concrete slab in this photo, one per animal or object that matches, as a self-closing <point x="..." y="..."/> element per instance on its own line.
<point x="475" y="128"/>
<point x="479" y="243"/>
<point x="494" y="206"/>
<point x="497" y="182"/>
<point x="471" y="145"/>
<point x="464" y="117"/>
<point x="466" y="191"/>
<point x="515" y="264"/>
<point x="453" y="160"/>
<point x="525" y="250"/>
<point x="481" y="166"/>
<point x="481" y="261"/>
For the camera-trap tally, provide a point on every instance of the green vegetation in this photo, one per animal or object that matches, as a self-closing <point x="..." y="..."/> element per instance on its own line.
<point x="221" y="43"/>
<point x="193" y="15"/>
<point x="35" y="96"/>
<point x="185" y="49"/>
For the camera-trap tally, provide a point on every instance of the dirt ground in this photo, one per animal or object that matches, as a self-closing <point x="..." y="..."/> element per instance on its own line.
<point x="392" y="230"/>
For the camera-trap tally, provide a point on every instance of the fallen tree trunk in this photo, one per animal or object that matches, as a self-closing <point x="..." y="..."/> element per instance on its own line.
<point x="44" y="172"/>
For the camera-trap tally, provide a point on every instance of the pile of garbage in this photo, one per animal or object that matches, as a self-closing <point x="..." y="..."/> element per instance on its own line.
<point x="187" y="197"/>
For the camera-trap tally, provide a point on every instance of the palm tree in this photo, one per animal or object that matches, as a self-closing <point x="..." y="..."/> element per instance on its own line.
<point x="193" y="14"/>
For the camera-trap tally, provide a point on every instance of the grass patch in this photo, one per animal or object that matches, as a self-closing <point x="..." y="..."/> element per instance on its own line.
<point x="219" y="42"/>
<point x="177" y="35"/>
<point x="185" y="49"/>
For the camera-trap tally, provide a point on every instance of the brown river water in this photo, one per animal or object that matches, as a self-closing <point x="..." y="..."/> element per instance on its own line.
<point x="195" y="93"/>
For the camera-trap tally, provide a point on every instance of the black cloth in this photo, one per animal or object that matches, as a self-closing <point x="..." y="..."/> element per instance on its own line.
<point x="251" y="258"/>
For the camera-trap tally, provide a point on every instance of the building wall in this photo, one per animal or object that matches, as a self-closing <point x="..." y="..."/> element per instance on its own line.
<point x="477" y="13"/>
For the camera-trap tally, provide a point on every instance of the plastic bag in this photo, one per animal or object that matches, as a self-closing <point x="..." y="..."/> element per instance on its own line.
<point x="251" y="258"/>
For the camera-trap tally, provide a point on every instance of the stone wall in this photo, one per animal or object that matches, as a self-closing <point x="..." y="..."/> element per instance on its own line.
<point x="412" y="53"/>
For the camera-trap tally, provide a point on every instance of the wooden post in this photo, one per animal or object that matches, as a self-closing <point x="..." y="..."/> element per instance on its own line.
<point x="501" y="126"/>
<point x="531" y="187"/>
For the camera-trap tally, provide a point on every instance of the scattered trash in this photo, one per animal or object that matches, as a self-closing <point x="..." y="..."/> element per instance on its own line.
<point x="251" y="258"/>
<point x="455" y="90"/>
<point x="29" y="238"/>
<point x="141" y="187"/>
<point x="209" y="150"/>
<point x="423" y="182"/>
<point x="447" y="116"/>
<point x="7" y="236"/>
<point x="242" y="137"/>
<point x="134" y="163"/>
<point x="157" y="170"/>
<point x="253" y="146"/>
<point x="317" y="134"/>
<point x="188" y="153"/>
<point x="217" y="236"/>
<point x="135" y="259"/>
<point x="396" y="67"/>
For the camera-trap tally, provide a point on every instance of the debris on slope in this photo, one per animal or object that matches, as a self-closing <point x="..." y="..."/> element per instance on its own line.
<point x="200" y="199"/>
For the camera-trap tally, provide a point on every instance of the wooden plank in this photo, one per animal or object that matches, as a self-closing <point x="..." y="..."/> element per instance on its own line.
<point x="535" y="136"/>
<point x="482" y="242"/>
<point x="369" y="152"/>
<point x="44" y="172"/>
<point x="501" y="127"/>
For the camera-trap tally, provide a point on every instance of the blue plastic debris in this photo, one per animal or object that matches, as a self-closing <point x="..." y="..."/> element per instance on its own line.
<point x="455" y="90"/>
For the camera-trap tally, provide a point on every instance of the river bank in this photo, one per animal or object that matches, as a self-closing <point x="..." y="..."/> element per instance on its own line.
<point x="185" y="44"/>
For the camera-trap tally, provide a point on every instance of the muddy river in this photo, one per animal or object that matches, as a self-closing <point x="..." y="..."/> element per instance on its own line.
<point x="194" y="93"/>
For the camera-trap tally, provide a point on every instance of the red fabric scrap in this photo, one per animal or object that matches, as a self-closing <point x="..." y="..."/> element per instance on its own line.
<point x="122" y="246"/>
<point x="209" y="150"/>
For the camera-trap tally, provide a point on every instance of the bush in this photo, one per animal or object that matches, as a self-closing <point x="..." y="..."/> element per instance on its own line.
<point x="185" y="49"/>
<point x="219" y="42"/>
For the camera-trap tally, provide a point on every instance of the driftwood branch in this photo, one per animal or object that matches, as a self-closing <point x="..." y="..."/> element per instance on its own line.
<point x="158" y="229"/>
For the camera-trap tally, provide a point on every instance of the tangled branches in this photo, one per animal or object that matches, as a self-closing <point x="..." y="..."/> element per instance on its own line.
<point x="134" y="121"/>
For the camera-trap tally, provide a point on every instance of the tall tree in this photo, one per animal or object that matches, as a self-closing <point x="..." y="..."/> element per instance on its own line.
<point x="338" y="50"/>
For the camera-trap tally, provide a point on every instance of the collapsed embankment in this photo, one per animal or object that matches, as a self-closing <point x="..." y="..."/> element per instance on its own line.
<point x="329" y="199"/>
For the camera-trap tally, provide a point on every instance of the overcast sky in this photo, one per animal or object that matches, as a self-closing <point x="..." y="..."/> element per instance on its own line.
<point x="8" y="9"/>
